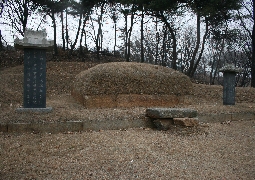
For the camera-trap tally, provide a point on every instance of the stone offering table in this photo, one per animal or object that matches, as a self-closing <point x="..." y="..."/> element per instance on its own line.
<point x="34" y="45"/>
<point x="163" y="118"/>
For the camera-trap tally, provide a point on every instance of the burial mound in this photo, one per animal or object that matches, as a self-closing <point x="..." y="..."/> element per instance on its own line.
<point x="126" y="84"/>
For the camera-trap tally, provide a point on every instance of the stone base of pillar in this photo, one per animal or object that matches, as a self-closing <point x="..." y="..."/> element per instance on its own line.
<point x="40" y="110"/>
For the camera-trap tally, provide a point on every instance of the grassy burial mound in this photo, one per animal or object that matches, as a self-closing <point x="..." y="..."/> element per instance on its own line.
<point x="126" y="84"/>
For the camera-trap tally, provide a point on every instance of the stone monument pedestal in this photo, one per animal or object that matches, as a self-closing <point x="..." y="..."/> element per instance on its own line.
<point x="34" y="45"/>
<point x="229" y="80"/>
<point x="40" y="110"/>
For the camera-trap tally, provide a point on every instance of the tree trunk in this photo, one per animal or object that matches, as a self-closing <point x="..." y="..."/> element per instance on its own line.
<point x="101" y="32"/>
<point x="1" y="43"/>
<point x="212" y="79"/>
<point x="253" y="50"/>
<point x="77" y="35"/>
<point x="174" y="60"/>
<point x="157" y="51"/>
<point x="142" y="37"/>
<point x="171" y="30"/>
<point x="82" y="33"/>
<point x="129" y="35"/>
<point x="66" y="32"/>
<point x="63" y="31"/>
<point x="55" y="33"/>
<point x="157" y="41"/>
<point x="126" y="36"/>
<point x="211" y="72"/>
<point x="192" y="61"/>
<point x="24" y="23"/>
<point x="114" y="18"/>
<point x="164" y="48"/>
<point x="216" y="70"/>
<point x="201" y="52"/>
<point x="99" y="38"/>
<point x="115" y="39"/>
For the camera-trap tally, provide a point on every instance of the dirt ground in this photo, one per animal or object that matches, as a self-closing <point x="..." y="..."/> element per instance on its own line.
<point x="214" y="150"/>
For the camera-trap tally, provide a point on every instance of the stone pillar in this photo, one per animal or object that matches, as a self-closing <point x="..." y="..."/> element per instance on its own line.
<point x="229" y="80"/>
<point x="34" y="45"/>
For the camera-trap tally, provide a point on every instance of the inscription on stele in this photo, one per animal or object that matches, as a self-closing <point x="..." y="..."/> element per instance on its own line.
<point x="34" y="78"/>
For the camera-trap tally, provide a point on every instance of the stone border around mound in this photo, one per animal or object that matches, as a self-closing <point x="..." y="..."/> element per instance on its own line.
<point x="73" y="126"/>
<point x="96" y="125"/>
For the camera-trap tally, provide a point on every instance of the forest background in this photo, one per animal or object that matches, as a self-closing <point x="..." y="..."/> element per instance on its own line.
<point x="196" y="37"/>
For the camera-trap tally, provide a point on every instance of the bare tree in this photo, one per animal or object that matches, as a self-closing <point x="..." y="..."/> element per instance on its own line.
<point x="18" y="13"/>
<point x="253" y="48"/>
<point x="162" y="16"/>
<point x="142" y="35"/>
<point x="114" y="18"/>
<point x="51" y="8"/>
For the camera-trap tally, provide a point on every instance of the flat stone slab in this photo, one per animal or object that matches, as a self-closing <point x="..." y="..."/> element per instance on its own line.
<point x="40" y="110"/>
<point x="164" y="113"/>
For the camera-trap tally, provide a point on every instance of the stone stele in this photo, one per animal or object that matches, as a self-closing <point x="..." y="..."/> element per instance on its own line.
<point x="34" y="45"/>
